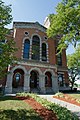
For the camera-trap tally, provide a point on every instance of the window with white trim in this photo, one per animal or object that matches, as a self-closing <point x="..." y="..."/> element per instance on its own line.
<point x="44" y="55"/>
<point x="26" y="49"/>
<point x="60" y="79"/>
<point x="35" y="48"/>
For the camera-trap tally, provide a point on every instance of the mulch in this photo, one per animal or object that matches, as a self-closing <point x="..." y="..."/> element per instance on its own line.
<point x="68" y="98"/>
<point x="42" y="111"/>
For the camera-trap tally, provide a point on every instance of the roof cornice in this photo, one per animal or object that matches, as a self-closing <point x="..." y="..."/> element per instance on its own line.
<point x="35" y="25"/>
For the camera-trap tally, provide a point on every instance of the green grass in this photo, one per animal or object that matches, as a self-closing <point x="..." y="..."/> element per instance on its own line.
<point x="14" y="109"/>
<point x="77" y="96"/>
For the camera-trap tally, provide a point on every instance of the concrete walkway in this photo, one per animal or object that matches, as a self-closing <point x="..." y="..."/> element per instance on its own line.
<point x="73" y="108"/>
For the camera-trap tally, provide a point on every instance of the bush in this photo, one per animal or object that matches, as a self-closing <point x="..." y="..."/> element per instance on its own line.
<point x="59" y="94"/>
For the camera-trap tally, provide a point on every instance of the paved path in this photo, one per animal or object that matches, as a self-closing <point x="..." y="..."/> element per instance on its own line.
<point x="73" y="108"/>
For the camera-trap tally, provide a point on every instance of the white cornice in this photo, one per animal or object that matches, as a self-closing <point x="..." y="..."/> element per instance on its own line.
<point x="62" y="69"/>
<point x="38" y="65"/>
<point x="35" y="25"/>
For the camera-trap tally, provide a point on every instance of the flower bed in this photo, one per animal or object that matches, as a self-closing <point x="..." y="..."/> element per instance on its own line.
<point x="43" y="112"/>
<point x="61" y="112"/>
<point x="67" y="98"/>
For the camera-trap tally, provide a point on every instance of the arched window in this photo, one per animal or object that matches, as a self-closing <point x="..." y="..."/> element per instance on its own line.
<point x="59" y="58"/>
<point x="26" y="49"/>
<point x="44" y="55"/>
<point x="35" y="48"/>
<point x="60" y="80"/>
<point x="17" y="77"/>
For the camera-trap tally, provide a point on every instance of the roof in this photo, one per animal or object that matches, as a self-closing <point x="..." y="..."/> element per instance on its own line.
<point x="36" y="25"/>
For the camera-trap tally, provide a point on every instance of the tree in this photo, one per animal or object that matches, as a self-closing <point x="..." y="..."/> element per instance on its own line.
<point x="7" y="49"/>
<point x="66" y="23"/>
<point x="73" y="62"/>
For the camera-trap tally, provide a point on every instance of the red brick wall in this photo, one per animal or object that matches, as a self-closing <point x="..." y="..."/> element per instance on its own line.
<point x="64" y="60"/>
<point x="20" y="36"/>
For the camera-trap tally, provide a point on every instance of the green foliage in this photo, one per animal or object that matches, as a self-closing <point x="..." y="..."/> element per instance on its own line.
<point x="5" y="19"/>
<point x="75" y="95"/>
<point x="61" y="112"/>
<point x="73" y="60"/>
<point x="59" y="94"/>
<point x="13" y="109"/>
<point x="78" y="100"/>
<point x="7" y="49"/>
<point x="66" y="23"/>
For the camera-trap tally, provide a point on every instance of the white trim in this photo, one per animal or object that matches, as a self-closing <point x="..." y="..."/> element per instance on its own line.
<point x="36" y="69"/>
<point x="38" y="65"/>
<point x="29" y="25"/>
<point x="26" y="34"/>
<point x="25" y="39"/>
<point x="61" y="72"/>
<point x="35" y="34"/>
<point x="23" y="45"/>
<point x="51" y="71"/>
<point x="47" y="52"/>
<point x="19" y="67"/>
<point x="40" y="50"/>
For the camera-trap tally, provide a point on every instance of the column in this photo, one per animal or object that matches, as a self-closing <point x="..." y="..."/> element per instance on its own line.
<point x="47" y="54"/>
<point x="30" y="52"/>
<point x="40" y="52"/>
<point x="42" y="83"/>
<point x="26" y="82"/>
<point x="8" y="87"/>
<point x="55" y="87"/>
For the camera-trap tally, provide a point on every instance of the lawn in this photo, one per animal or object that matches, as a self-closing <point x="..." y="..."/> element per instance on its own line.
<point x="77" y="95"/>
<point x="14" y="109"/>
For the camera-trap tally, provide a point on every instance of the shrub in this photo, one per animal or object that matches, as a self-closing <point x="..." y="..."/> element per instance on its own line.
<point x="59" y="94"/>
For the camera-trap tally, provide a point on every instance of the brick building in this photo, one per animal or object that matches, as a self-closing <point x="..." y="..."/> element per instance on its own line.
<point x="38" y="68"/>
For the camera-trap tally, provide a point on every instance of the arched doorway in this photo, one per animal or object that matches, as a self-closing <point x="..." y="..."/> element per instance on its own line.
<point x="18" y="80"/>
<point x="48" y="79"/>
<point x="34" y="79"/>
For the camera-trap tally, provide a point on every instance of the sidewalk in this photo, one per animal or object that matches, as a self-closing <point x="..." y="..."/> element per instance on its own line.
<point x="73" y="108"/>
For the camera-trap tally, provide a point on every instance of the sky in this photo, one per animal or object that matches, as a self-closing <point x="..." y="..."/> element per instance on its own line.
<point x="32" y="11"/>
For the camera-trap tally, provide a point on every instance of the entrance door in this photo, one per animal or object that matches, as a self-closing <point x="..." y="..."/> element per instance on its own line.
<point x="18" y="78"/>
<point x="34" y="80"/>
<point x="48" y="79"/>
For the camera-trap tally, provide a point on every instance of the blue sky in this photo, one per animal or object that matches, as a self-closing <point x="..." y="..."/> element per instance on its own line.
<point x="32" y="11"/>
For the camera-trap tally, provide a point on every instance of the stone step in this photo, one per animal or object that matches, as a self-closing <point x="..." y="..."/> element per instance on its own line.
<point x="17" y="90"/>
<point x="34" y="90"/>
<point x="49" y="90"/>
